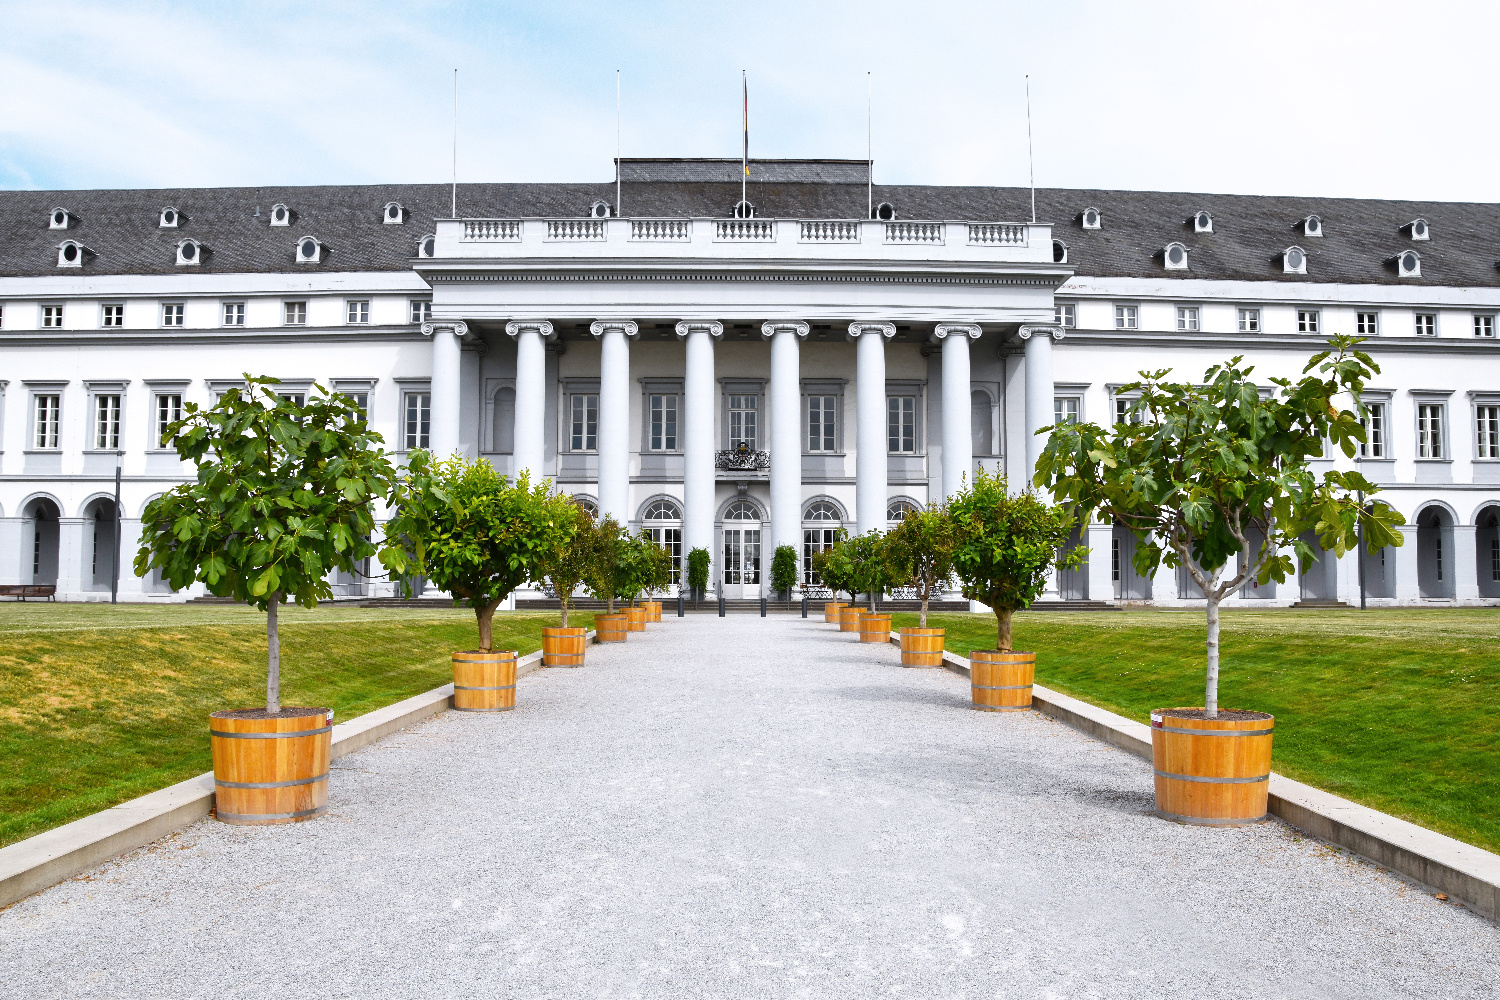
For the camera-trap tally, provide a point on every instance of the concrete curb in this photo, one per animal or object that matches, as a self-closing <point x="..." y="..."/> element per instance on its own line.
<point x="1468" y="874"/>
<point x="33" y="864"/>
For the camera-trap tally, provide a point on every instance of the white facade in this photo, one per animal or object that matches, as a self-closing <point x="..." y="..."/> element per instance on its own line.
<point x="732" y="384"/>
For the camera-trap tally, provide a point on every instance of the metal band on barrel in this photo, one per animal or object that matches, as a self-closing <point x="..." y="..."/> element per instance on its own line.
<point x="502" y="687"/>
<point x="1215" y="732"/>
<point x="271" y="784"/>
<point x="1211" y="781"/>
<point x="508" y="659"/>
<point x="270" y="736"/>
<point x="264" y="816"/>
<point x="999" y="687"/>
<point x="506" y="708"/>
<point x="1202" y="821"/>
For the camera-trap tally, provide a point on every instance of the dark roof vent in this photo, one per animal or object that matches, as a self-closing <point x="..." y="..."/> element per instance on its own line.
<point x="309" y="250"/>
<point x="1310" y="226"/>
<point x="1175" y="256"/>
<point x="744" y="210"/>
<point x="170" y="218"/>
<point x="70" y="253"/>
<point x="59" y="219"/>
<point x="1417" y="229"/>
<point x="281" y="215"/>
<point x="189" y="253"/>
<point x="1203" y="223"/>
<point x="1293" y="260"/>
<point x="885" y="212"/>
<point x="394" y="214"/>
<point x="1092" y="219"/>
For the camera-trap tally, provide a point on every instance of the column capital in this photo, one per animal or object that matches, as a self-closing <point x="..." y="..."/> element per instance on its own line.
<point x="943" y="330"/>
<point x="886" y="330"/>
<point x="457" y="327"/>
<point x="1056" y="332"/>
<point x="771" y="328"/>
<point x="711" y="327"/>
<point x="516" y="327"/>
<point x="627" y="326"/>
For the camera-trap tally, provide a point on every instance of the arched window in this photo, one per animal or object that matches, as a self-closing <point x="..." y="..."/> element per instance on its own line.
<point x="742" y="510"/>
<point x="821" y="524"/>
<point x="659" y="516"/>
<point x="587" y="502"/>
<point x="822" y="510"/>
<point x="662" y="509"/>
<point x="896" y="512"/>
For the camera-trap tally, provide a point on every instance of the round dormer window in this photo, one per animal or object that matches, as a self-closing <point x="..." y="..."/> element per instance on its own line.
<point x="189" y="251"/>
<point x="393" y="212"/>
<point x="1059" y="252"/>
<point x="1091" y="219"/>
<point x="885" y="211"/>
<point x="744" y="210"/>
<point x="428" y="246"/>
<point x="169" y="218"/>
<point x="279" y="215"/>
<point x="1408" y="263"/>
<point x="1175" y="254"/>
<point x="70" y="252"/>
<point x="1314" y="226"/>
<point x="1295" y="259"/>
<point x="1204" y="222"/>
<point x="59" y="218"/>
<point x="309" y="248"/>
<point x="599" y="210"/>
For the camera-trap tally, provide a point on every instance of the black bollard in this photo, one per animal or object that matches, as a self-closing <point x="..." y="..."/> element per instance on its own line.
<point x="762" y="607"/>
<point x="721" y="604"/>
<point x="804" y="605"/>
<point x="681" y="609"/>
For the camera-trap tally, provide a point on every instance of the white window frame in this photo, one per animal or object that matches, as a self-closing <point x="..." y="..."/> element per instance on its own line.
<point x="357" y="312"/>
<point x="166" y="409"/>
<point x="101" y="435"/>
<point x="663" y="422"/>
<point x="1432" y="430"/>
<point x="583" y="422"/>
<point x="1484" y="325"/>
<point x="1424" y="324"/>
<point x="821" y="419"/>
<point x="45" y="427"/>
<point x="1309" y="321"/>
<point x="1065" y="315"/>
<point x="233" y="313"/>
<point x="52" y="316"/>
<point x="1377" y="445"/>
<point x="1127" y="317"/>
<point x="1189" y="319"/>
<point x="1485" y="409"/>
<point x="111" y="311"/>
<point x="420" y="310"/>
<point x="1367" y="323"/>
<point x="735" y="422"/>
<point x="1061" y="409"/>
<point x="905" y="428"/>
<point x="412" y="430"/>
<point x="291" y="307"/>
<point x="1248" y="318"/>
<point x="173" y="315"/>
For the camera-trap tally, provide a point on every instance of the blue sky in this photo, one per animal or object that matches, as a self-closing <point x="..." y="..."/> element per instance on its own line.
<point x="1368" y="99"/>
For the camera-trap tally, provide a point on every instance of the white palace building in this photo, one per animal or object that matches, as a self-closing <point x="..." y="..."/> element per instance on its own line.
<point x="736" y="375"/>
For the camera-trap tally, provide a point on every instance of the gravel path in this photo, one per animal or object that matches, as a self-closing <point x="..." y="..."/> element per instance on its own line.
<point x="742" y="807"/>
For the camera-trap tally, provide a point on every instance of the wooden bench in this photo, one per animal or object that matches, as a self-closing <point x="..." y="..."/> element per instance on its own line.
<point x="25" y="590"/>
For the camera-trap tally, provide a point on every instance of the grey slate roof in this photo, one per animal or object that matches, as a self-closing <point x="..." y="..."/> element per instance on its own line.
<point x="120" y="227"/>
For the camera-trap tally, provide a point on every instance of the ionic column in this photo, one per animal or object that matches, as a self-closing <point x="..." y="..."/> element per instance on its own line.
<point x="870" y="465"/>
<point x="614" y="415"/>
<point x="786" y="432"/>
<point x="446" y="340"/>
<point x="698" y="421"/>
<point x="531" y="336"/>
<point x="1039" y="391"/>
<point x="958" y="431"/>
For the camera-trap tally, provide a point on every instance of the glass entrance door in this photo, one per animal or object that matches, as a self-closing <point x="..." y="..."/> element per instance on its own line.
<point x="741" y="563"/>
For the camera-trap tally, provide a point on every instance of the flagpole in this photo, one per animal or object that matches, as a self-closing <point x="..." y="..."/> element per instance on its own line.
<point x="1030" y="151"/>
<point x="745" y="156"/>
<point x="455" y="144"/>
<point x="870" y="142"/>
<point x="617" y="142"/>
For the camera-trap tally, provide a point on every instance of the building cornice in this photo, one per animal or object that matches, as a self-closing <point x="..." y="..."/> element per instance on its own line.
<point x="1262" y="341"/>
<point x="218" y="335"/>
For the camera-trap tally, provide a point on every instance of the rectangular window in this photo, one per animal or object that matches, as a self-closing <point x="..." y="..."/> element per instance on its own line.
<point x="744" y="421"/>
<point x="234" y="314"/>
<point x="901" y="424"/>
<point x="585" y="421"/>
<point x="1187" y="319"/>
<point x="171" y="313"/>
<point x="295" y="398"/>
<point x="114" y="315"/>
<point x="1374" y="424"/>
<point x="1487" y="421"/>
<point x="296" y="314"/>
<point x="1065" y="409"/>
<point x="48" y="410"/>
<point x="822" y="415"/>
<point x="663" y="422"/>
<point x="52" y="316"/>
<point x="359" y="311"/>
<point x="1249" y="321"/>
<point x="1127" y="318"/>
<point x="2" y="317"/>
<point x="360" y="398"/>
<point x="1495" y="558"/>
<point x="1484" y="326"/>
<point x="815" y="540"/>
<point x="1307" y="321"/>
<point x="168" y="412"/>
<point x="107" y="422"/>
<point x="1367" y="324"/>
<point x="1430" y="430"/>
<point x="418" y="420"/>
<point x="1065" y="314"/>
<point x="1114" y="560"/>
<point x="421" y="310"/>
<point x="1426" y="324"/>
<point x="1125" y="411"/>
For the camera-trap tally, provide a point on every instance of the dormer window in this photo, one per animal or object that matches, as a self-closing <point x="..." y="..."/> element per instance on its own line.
<point x="1311" y="226"/>
<point x="1176" y="257"/>
<point x="1408" y="264"/>
<point x="309" y="250"/>
<point x="1059" y="252"/>
<point x="189" y="253"/>
<point x="1092" y="219"/>
<point x="600" y="210"/>
<point x="70" y="253"/>
<point x="1203" y="223"/>
<point x="744" y="210"/>
<point x="885" y="212"/>
<point x="1417" y="229"/>
<point x="170" y="218"/>
<point x="59" y="219"/>
<point x="1293" y="261"/>
<point x="394" y="215"/>
<point x="281" y="215"/>
<point x="428" y="246"/>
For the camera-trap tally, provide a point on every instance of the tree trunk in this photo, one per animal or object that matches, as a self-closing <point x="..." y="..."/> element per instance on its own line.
<point x="1211" y="687"/>
<point x="925" y="595"/>
<point x="273" y="657"/>
<point x="609" y="604"/>
<point x="564" y="612"/>
<point x="486" y="616"/>
<point x="1004" y="615"/>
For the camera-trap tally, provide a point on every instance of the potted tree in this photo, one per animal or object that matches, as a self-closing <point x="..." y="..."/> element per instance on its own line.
<point x="477" y="535"/>
<point x="1004" y="545"/>
<point x="919" y="554"/>
<point x="828" y="570"/>
<point x="1210" y="473"/>
<point x="283" y="497"/>
<point x="563" y="645"/>
<point x="784" y="572"/>
<point x="608" y="579"/>
<point x="655" y="574"/>
<point x="865" y="571"/>
<point x="697" y="573"/>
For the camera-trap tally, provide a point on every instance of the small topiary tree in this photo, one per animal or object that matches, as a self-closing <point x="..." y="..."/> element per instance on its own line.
<point x="784" y="571"/>
<point x="1214" y="471"/>
<point x="566" y="568"/>
<point x="829" y="568"/>
<point x="697" y="572"/>
<point x="1004" y="546"/>
<point x="284" y="496"/>
<point x="610" y="575"/>
<point x="475" y="533"/>
<point x="919" y="553"/>
<point x="650" y="566"/>
<point x="859" y="563"/>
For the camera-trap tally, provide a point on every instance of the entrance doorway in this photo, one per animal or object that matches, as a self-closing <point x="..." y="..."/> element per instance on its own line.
<point x="742" y="528"/>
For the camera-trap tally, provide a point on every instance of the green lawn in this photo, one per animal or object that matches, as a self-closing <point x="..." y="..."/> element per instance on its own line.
<point x="99" y="704"/>
<point x="1397" y="709"/>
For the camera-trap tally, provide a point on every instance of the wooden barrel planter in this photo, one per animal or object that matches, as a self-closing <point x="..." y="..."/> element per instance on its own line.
<point x="849" y="618"/>
<point x="1211" y="772"/>
<point x="484" y="682"/>
<point x="831" y="611"/>
<point x="563" y="647"/>
<point x="1001" y="682"/>
<point x="270" y="768"/>
<point x="874" y="627"/>
<point x="922" y="647"/>
<point x="635" y="618"/>
<point x="611" y="628"/>
<point x="653" y="610"/>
